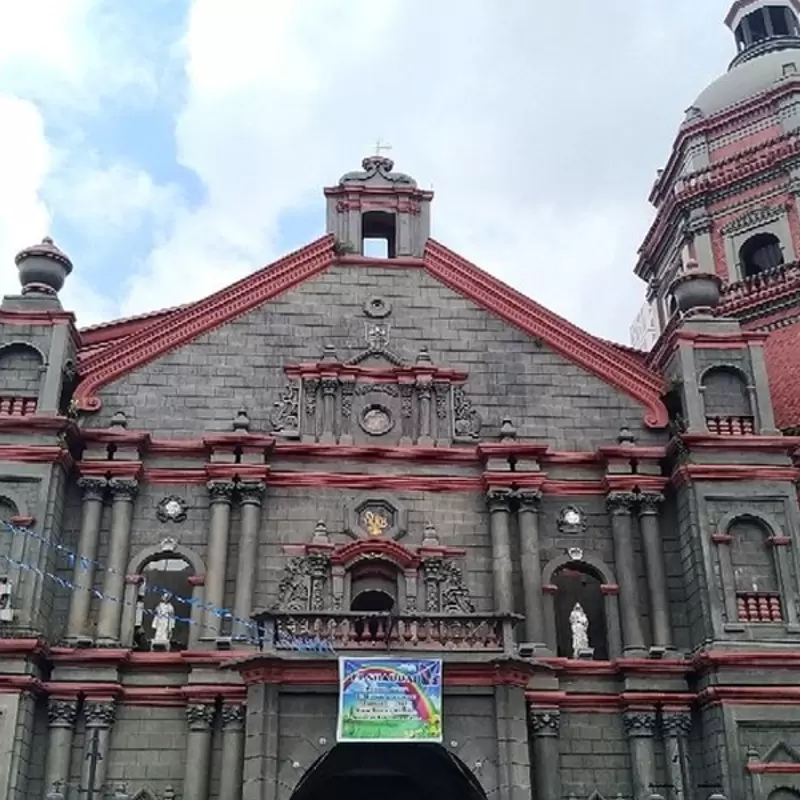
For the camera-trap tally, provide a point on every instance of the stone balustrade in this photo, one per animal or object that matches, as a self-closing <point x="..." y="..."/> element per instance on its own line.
<point x="351" y="630"/>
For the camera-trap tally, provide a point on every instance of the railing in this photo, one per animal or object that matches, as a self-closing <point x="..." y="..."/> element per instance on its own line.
<point x="352" y="630"/>
<point x="17" y="406"/>
<point x="759" y="606"/>
<point x="731" y="426"/>
<point x="778" y="278"/>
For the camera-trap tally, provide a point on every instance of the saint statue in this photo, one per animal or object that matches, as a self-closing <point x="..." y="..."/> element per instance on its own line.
<point x="579" y="623"/>
<point x="163" y="621"/>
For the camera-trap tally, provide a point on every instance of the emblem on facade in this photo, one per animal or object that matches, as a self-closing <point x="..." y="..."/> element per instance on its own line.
<point x="377" y="336"/>
<point x="373" y="517"/>
<point x="376" y="518"/>
<point x="571" y="520"/>
<point x="171" y="509"/>
<point x="467" y="421"/>
<point x="377" y="308"/>
<point x="285" y="417"/>
<point x="376" y="420"/>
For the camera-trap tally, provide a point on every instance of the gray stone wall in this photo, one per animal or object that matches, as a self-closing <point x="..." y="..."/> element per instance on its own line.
<point x="201" y="386"/>
<point x="20" y="373"/>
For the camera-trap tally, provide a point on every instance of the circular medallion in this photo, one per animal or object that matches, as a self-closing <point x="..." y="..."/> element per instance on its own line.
<point x="572" y="517"/>
<point x="376" y="420"/>
<point x="377" y="308"/>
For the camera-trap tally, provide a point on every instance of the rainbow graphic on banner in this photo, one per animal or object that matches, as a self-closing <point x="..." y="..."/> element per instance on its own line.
<point x="390" y="700"/>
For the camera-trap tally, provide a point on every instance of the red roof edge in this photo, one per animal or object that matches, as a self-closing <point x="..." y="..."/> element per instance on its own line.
<point x="176" y="329"/>
<point x="595" y="355"/>
<point x="104" y="332"/>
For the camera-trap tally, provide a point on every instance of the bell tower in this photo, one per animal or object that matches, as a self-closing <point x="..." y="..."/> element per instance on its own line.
<point x="762" y="26"/>
<point x="378" y="203"/>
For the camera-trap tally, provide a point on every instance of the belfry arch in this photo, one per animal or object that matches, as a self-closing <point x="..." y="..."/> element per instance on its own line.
<point x="388" y="772"/>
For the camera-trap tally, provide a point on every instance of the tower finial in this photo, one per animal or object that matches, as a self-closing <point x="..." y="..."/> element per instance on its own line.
<point x="380" y="146"/>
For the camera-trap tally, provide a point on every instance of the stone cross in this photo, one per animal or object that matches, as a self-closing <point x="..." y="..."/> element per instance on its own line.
<point x="381" y="145"/>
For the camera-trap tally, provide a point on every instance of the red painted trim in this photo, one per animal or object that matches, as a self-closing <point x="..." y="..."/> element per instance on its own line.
<point x="750" y="695"/>
<point x="609" y="589"/>
<point x="420" y="483"/>
<point x="35" y="454"/>
<point x="440" y="455"/>
<point x="196" y="580"/>
<point x="721" y="538"/>
<point x="512" y="450"/>
<point x="37" y="422"/>
<point x="773" y="768"/>
<point x="628" y="452"/>
<point x="755" y="660"/>
<point x="229" y="472"/>
<point x="172" y="475"/>
<point x="721" y="342"/>
<point x="24" y="522"/>
<point x="16" y="684"/>
<point x="573" y="488"/>
<point x="632" y="483"/>
<point x="594" y="355"/>
<point x="410" y="374"/>
<point x="192" y="321"/>
<point x="733" y="472"/>
<point x="514" y="480"/>
<point x="375" y="548"/>
<point x="606" y="703"/>
<point x="131" y="470"/>
<point x="765" y="444"/>
<point x="37" y="318"/>
<point x="549" y="588"/>
<point x="779" y="541"/>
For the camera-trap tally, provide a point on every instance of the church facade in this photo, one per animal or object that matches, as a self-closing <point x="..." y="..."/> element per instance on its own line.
<point x="207" y="510"/>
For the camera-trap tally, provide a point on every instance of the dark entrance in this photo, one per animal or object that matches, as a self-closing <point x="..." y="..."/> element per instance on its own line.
<point x="388" y="772"/>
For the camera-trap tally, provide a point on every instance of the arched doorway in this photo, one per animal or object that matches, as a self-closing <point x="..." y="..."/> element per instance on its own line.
<point x="388" y="772"/>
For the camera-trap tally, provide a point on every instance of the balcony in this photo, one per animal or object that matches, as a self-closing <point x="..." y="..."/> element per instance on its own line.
<point x="17" y="406"/>
<point x="331" y="631"/>
<point x="731" y="426"/>
<point x="759" y="606"/>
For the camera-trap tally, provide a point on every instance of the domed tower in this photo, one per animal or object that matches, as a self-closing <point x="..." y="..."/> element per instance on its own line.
<point x="727" y="199"/>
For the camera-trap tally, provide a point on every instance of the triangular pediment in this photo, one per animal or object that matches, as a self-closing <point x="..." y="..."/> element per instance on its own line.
<point x="781" y="753"/>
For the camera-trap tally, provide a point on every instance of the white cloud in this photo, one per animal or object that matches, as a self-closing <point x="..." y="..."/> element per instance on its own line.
<point x="540" y="127"/>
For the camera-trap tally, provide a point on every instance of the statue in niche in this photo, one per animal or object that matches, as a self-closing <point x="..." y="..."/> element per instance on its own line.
<point x="579" y="623"/>
<point x="163" y="621"/>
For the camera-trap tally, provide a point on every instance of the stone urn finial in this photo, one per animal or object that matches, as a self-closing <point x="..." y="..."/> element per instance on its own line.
<point x="241" y="421"/>
<point x="424" y="356"/>
<point x="119" y="420"/>
<point x="625" y="435"/>
<point x="508" y="431"/>
<point x="43" y="268"/>
<point x="321" y="533"/>
<point x="694" y="289"/>
<point x="430" y="538"/>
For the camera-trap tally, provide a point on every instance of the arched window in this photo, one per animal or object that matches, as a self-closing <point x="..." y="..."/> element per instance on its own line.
<point x="8" y="511"/>
<point x="373" y="592"/>
<point x="727" y="402"/>
<point x="784" y="793"/>
<point x="379" y="234"/>
<point x="755" y="572"/>
<point x="20" y="379"/>
<point x="760" y="253"/>
<point x="578" y="583"/>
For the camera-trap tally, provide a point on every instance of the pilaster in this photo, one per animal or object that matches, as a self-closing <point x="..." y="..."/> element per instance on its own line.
<point x="640" y="726"/>
<point x="221" y="497"/>
<point x="200" y="720"/>
<point x="123" y="494"/>
<point x="531" y="567"/>
<point x="545" y="727"/>
<point x="261" y="743"/>
<point x="99" y="717"/>
<point x="94" y="491"/>
<point x="649" y="505"/>
<point x="250" y="497"/>
<point x="230" y="785"/>
<point x="675" y="729"/>
<point x="499" y="503"/>
<point x="61" y="718"/>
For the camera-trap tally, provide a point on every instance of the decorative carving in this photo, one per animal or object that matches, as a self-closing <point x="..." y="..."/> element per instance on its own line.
<point x="310" y="389"/>
<point x="122" y="489"/>
<point x="406" y="405"/>
<point x="348" y="389"/>
<point x="455" y="594"/>
<point x="93" y="488"/>
<point x="168" y="544"/>
<point x="498" y="500"/>
<point x="221" y="491"/>
<point x="232" y="717"/>
<point x="676" y="723"/>
<point x="620" y="502"/>
<point x="377" y="308"/>
<point x="572" y="520"/>
<point x="200" y="716"/>
<point x="251" y="492"/>
<point x="640" y="723"/>
<point x="375" y="517"/>
<point x="467" y="421"/>
<point x="99" y="714"/>
<point x="317" y="566"/>
<point x="544" y="723"/>
<point x="650" y="503"/>
<point x="441" y="390"/>
<point x="329" y="386"/>
<point x="754" y="218"/>
<point x="377" y="337"/>
<point x="579" y="625"/>
<point x="293" y="590"/>
<point x="432" y="571"/>
<point x="379" y="388"/>
<point x="376" y="420"/>
<point x="529" y="500"/>
<point x="285" y="417"/>
<point x="62" y="713"/>
<point x="171" y="509"/>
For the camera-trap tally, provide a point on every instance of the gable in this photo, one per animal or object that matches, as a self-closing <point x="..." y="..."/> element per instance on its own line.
<point x="612" y="366"/>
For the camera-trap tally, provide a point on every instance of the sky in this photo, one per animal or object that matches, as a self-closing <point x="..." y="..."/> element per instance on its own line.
<point x="171" y="147"/>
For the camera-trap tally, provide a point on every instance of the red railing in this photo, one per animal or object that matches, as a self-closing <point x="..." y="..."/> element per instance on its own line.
<point x="731" y="426"/>
<point x="17" y="406"/>
<point x="759" y="607"/>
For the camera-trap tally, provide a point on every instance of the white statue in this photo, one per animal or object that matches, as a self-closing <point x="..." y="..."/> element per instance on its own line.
<point x="163" y="621"/>
<point x="579" y="623"/>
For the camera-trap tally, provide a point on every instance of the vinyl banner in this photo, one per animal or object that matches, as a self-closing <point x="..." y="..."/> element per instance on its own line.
<point x="390" y="700"/>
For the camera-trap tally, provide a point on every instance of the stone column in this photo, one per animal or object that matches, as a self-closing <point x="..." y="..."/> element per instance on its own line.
<point x="221" y="497"/>
<point x="62" y="715"/>
<point x="99" y="716"/>
<point x="499" y="502"/>
<point x="200" y="718"/>
<point x="123" y="493"/>
<point x="329" y="388"/>
<point x="261" y="743"/>
<point x="654" y="564"/>
<point x="675" y="729"/>
<point x="94" y="490"/>
<point x="531" y="566"/>
<point x="250" y="495"/>
<point x="230" y="784"/>
<point x="640" y="725"/>
<point x="620" y="506"/>
<point x="544" y="727"/>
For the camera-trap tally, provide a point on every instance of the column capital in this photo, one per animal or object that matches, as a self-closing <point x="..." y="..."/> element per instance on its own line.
<point x="676" y="723"/>
<point x="620" y="502"/>
<point x="529" y="500"/>
<point x="251" y="493"/>
<point x="123" y="490"/>
<point x="99" y="714"/>
<point x="221" y="491"/>
<point x="62" y="713"/>
<point x="93" y="488"/>
<point x="233" y="718"/>
<point x="640" y="723"/>
<point x="329" y="386"/>
<point x="544" y="723"/>
<point x="499" y="499"/>
<point x="650" y="503"/>
<point x="200" y="716"/>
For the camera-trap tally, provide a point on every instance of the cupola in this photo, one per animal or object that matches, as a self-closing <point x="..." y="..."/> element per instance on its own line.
<point x="762" y="26"/>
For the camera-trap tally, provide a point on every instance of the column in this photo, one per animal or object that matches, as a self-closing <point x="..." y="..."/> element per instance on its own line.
<point x="531" y="566"/>
<point x="640" y="725"/>
<point x="221" y="493"/>
<point x="654" y="565"/>
<point x="83" y="577"/>
<point x="499" y="502"/>
<point x="424" y="396"/>
<point x="230" y="784"/>
<point x="544" y="727"/>
<point x="620" y="506"/>
<point x="98" y="716"/>
<point x="261" y="743"/>
<point x="329" y="388"/>
<point x="123" y="493"/>
<point x="200" y="718"/>
<point x="250" y="496"/>
<point x="61" y="715"/>
<point x="675" y="729"/>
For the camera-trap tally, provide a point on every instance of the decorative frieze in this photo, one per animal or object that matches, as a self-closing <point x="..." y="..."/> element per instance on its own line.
<point x="99" y="714"/>
<point x="200" y="717"/>
<point x="676" y="723"/>
<point x="640" y="723"/>
<point x="544" y="723"/>
<point x="123" y="490"/>
<point x="62" y="713"/>
<point x="221" y="491"/>
<point x="232" y="718"/>
<point x="285" y="417"/>
<point x="467" y="421"/>
<point x="93" y="488"/>
<point x="171" y="509"/>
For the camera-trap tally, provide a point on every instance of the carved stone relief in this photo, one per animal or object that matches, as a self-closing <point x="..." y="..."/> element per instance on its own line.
<point x="378" y="517"/>
<point x="467" y="421"/>
<point x="285" y="417"/>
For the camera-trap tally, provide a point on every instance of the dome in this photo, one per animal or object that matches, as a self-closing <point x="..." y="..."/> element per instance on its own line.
<point x="745" y="80"/>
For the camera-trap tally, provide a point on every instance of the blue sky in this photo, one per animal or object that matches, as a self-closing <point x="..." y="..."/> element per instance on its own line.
<point x="172" y="146"/>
